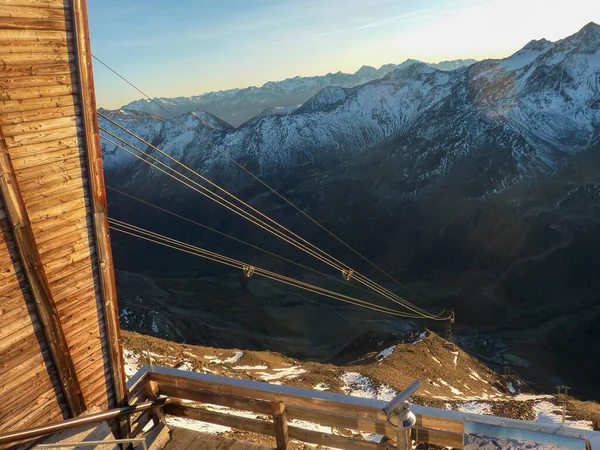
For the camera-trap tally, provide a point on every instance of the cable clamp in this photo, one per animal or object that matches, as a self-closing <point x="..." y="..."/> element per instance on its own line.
<point x="248" y="271"/>
<point x="347" y="274"/>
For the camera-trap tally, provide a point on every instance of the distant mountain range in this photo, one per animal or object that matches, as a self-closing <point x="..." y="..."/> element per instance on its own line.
<point x="525" y="114"/>
<point x="236" y="106"/>
<point x="479" y="187"/>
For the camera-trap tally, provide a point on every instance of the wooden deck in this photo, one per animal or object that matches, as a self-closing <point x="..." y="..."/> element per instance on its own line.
<point x="182" y="439"/>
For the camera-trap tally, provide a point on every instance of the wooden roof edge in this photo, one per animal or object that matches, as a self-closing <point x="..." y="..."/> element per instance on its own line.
<point x="98" y="198"/>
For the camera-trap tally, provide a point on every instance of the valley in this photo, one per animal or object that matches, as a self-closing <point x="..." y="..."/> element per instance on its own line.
<point x="476" y="187"/>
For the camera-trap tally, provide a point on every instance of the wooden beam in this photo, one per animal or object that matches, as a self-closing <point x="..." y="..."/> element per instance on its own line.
<point x="226" y="420"/>
<point x="42" y="295"/>
<point x="230" y="401"/>
<point x="333" y="440"/>
<point x="282" y="435"/>
<point x="98" y="198"/>
<point x="151" y="390"/>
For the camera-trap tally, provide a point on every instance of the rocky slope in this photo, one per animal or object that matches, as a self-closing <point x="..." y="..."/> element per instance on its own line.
<point x="236" y="106"/>
<point x="449" y="379"/>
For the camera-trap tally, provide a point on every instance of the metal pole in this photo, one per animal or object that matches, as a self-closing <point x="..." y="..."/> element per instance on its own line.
<point x="45" y="430"/>
<point x="403" y="440"/>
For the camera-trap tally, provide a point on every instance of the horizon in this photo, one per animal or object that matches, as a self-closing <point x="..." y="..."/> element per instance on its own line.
<point x="315" y="75"/>
<point x="226" y="49"/>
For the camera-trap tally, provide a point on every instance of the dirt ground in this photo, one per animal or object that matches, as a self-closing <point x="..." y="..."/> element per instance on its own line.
<point x="449" y="377"/>
<point x="445" y="375"/>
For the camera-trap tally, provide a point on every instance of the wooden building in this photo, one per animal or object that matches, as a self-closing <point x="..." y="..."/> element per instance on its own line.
<point x="60" y="351"/>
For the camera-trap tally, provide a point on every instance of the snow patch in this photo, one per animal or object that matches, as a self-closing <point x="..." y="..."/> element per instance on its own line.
<point x="132" y="363"/>
<point x="421" y="337"/>
<point x="437" y="360"/>
<point x="549" y="414"/>
<point x="126" y="315"/>
<point x="155" y="328"/>
<point x="311" y="426"/>
<point x="249" y="367"/>
<point x="433" y="383"/>
<point x="373" y="437"/>
<point x="455" y="361"/>
<point x="525" y="397"/>
<point x="186" y="365"/>
<point x="230" y="360"/>
<point x="195" y="425"/>
<point x="452" y="389"/>
<point x="287" y="373"/>
<point x="385" y="353"/>
<point x="358" y="385"/>
<point x="234" y="358"/>
<point x="321" y="387"/>
<point x="476" y="376"/>
<point x="476" y="408"/>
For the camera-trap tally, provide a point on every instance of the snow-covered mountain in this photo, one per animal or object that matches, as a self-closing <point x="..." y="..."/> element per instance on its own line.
<point x="534" y="108"/>
<point x="236" y="106"/>
<point x="478" y="185"/>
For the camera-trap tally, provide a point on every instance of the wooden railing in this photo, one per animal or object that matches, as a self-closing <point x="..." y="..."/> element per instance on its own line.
<point x="190" y="395"/>
<point x="280" y="406"/>
<point x="156" y="391"/>
<point x="46" y="430"/>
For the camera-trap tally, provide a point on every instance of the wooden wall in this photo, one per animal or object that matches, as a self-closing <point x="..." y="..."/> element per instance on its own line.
<point x="24" y="374"/>
<point x="55" y="287"/>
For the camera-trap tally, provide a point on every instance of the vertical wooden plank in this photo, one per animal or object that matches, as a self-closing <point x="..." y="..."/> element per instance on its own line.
<point x="98" y="198"/>
<point x="152" y="391"/>
<point x="282" y="436"/>
<point x="36" y="277"/>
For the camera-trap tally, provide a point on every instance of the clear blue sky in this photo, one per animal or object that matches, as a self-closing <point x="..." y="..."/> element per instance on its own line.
<point x="175" y="48"/>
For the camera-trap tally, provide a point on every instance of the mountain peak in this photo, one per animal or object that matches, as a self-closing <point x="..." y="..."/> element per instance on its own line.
<point x="587" y="39"/>
<point x="199" y="117"/>
<point x="537" y="44"/>
<point x="366" y="70"/>
<point x="591" y="27"/>
<point x="411" y="70"/>
<point x="590" y="31"/>
<point x="324" y="99"/>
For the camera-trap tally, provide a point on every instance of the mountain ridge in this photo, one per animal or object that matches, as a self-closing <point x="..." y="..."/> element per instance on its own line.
<point x="513" y="101"/>
<point x="476" y="187"/>
<point x="227" y="104"/>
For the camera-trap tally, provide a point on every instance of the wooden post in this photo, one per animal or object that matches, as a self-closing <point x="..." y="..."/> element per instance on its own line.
<point x="36" y="277"/>
<point x="282" y="436"/>
<point x="152" y="392"/>
<point x="98" y="199"/>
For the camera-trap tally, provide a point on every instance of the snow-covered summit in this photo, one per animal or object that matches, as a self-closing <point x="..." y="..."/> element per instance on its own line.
<point x="540" y="104"/>
<point x="412" y="71"/>
<point x="237" y="106"/>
